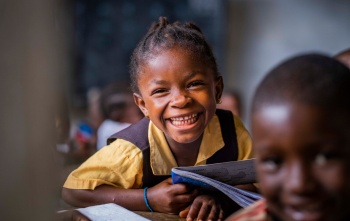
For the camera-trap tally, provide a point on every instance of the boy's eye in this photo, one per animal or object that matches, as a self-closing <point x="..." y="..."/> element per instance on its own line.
<point x="322" y="158"/>
<point x="195" y="83"/>
<point x="270" y="164"/>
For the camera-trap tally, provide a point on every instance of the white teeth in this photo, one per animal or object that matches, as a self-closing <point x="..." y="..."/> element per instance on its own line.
<point x="184" y="120"/>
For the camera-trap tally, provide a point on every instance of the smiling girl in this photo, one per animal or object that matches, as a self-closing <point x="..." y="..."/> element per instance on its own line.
<point x="176" y="85"/>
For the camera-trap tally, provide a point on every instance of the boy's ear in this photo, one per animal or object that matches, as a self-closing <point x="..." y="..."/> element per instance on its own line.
<point x="219" y="88"/>
<point x="141" y="104"/>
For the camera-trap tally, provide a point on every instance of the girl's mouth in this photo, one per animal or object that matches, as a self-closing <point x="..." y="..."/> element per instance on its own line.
<point x="185" y="120"/>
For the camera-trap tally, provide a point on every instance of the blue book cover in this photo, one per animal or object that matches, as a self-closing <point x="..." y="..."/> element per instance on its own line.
<point x="192" y="182"/>
<point x="221" y="177"/>
<point x="232" y="173"/>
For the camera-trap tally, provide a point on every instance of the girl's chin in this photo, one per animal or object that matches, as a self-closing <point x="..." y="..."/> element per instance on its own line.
<point x="185" y="140"/>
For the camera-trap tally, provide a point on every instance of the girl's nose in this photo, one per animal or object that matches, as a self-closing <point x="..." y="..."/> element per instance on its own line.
<point x="180" y="99"/>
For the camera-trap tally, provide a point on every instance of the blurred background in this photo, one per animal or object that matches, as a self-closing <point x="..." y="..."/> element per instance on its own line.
<point x="58" y="57"/>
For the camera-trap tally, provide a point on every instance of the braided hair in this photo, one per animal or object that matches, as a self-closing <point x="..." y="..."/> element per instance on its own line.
<point x="164" y="35"/>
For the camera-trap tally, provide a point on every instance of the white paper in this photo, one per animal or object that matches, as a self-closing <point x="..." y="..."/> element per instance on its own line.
<point x="110" y="212"/>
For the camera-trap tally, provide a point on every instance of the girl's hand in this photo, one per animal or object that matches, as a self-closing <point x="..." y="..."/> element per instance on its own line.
<point x="204" y="207"/>
<point x="171" y="198"/>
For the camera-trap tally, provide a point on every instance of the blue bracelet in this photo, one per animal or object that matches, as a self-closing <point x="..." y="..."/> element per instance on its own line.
<point x="146" y="200"/>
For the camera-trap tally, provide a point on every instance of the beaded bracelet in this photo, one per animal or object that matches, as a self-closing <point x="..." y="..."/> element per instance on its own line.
<point x="146" y="200"/>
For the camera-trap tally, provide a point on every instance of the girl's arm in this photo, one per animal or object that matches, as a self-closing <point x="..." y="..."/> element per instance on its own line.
<point x="164" y="197"/>
<point x="131" y="199"/>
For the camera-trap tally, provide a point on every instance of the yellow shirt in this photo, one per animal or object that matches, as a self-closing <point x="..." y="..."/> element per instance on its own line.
<point x="120" y="163"/>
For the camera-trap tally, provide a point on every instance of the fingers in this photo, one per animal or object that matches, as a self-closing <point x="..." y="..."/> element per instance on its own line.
<point x="194" y="210"/>
<point x="204" y="209"/>
<point x="216" y="213"/>
<point x="179" y="188"/>
<point x="207" y="212"/>
<point x="184" y="213"/>
<point x="187" y="197"/>
<point x="203" y="212"/>
<point x="183" y="189"/>
<point x="77" y="216"/>
<point x="168" y="181"/>
<point x="221" y="215"/>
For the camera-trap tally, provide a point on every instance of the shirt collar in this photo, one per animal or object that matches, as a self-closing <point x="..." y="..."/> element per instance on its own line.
<point x="162" y="159"/>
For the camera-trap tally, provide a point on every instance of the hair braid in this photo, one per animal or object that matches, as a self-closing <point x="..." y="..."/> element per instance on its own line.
<point x="164" y="35"/>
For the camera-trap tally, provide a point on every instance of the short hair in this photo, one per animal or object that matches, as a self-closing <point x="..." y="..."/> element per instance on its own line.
<point x="164" y="35"/>
<point x="114" y="99"/>
<point x="311" y="79"/>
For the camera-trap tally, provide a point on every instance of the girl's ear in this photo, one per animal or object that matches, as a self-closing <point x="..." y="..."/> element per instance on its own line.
<point x="219" y="87"/>
<point x="141" y="104"/>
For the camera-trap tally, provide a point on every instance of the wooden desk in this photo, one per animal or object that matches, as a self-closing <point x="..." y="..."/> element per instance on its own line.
<point x="68" y="213"/>
<point x="160" y="216"/>
<point x="74" y="215"/>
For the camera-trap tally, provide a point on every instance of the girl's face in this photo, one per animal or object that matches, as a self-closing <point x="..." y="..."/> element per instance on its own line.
<point x="303" y="164"/>
<point x="178" y="93"/>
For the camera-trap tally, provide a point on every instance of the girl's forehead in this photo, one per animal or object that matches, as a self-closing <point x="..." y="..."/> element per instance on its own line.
<point x="172" y="51"/>
<point x="174" y="59"/>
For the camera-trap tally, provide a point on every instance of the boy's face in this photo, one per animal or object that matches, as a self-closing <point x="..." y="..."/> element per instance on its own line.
<point x="302" y="163"/>
<point x="178" y="93"/>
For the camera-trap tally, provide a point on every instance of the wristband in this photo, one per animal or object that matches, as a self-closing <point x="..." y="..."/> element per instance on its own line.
<point x="146" y="200"/>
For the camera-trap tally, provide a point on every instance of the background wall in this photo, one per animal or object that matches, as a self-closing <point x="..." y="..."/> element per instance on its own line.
<point x="107" y="32"/>
<point x="262" y="33"/>
<point x="33" y="66"/>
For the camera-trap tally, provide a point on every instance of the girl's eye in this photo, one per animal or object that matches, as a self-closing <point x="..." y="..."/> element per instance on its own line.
<point x="158" y="91"/>
<point x="196" y="83"/>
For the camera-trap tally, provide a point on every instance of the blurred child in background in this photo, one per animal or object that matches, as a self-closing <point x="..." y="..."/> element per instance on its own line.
<point x="118" y="110"/>
<point x="231" y="101"/>
<point x="344" y="57"/>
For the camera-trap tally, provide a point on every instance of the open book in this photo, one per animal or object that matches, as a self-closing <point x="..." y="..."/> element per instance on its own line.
<point x="222" y="177"/>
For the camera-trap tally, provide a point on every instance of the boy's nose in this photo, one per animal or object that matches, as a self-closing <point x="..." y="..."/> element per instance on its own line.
<point x="300" y="179"/>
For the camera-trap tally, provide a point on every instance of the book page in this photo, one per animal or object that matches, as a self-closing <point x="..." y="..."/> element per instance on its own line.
<point x="233" y="172"/>
<point x="241" y="197"/>
<point x="110" y="212"/>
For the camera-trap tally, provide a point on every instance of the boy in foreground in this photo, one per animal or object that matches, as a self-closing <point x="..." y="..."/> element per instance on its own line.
<point x="301" y="134"/>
